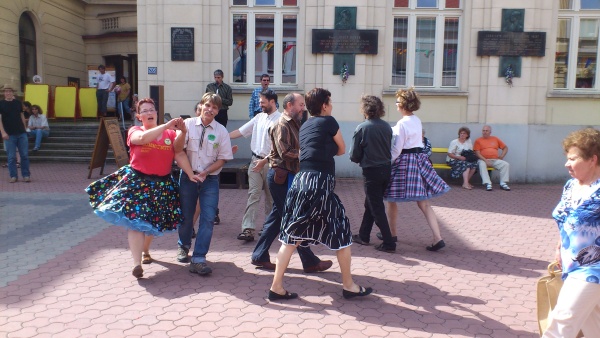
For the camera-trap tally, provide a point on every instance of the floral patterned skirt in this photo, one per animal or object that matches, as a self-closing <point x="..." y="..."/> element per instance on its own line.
<point x="459" y="167"/>
<point x="145" y="203"/>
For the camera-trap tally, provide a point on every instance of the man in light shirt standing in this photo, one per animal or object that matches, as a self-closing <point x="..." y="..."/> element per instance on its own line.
<point x="105" y="85"/>
<point x="258" y="128"/>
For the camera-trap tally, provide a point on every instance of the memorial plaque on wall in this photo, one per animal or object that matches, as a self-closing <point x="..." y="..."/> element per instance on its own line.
<point x="182" y="44"/>
<point x="345" y="41"/>
<point x="492" y="43"/>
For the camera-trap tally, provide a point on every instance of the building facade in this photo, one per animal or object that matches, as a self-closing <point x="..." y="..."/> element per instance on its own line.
<point x="431" y="45"/>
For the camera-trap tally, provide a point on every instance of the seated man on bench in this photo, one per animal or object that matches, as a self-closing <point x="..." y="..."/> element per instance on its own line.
<point x="486" y="148"/>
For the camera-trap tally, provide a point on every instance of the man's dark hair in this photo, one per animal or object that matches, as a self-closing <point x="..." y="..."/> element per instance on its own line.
<point x="269" y="95"/>
<point x="265" y="75"/>
<point x="218" y="72"/>
<point x="101" y="67"/>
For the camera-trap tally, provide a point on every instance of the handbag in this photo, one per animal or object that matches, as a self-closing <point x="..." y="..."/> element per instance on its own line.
<point x="469" y="155"/>
<point x="280" y="175"/>
<point x="548" y="288"/>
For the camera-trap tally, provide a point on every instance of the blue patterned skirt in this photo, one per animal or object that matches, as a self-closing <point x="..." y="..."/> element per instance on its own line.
<point x="414" y="179"/>
<point x="145" y="203"/>
<point x="314" y="214"/>
<point x="459" y="167"/>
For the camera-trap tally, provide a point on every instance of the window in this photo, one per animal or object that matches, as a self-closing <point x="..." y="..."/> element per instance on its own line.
<point x="575" y="60"/>
<point x="425" y="43"/>
<point x="264" y="41"/>
<point x="27" y="49"/>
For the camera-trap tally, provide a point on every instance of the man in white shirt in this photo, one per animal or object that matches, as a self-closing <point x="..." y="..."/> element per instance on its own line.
<point x="208" y="147"/>
<point x="260" y="145"/>
<point x="105" y="85"/>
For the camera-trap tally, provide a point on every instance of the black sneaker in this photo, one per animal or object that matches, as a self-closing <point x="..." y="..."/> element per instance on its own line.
<point x="380" y="236"/>
<point x="200" y="268"/>
<point x="217" y="220"/>
<point x="182" y="254"/>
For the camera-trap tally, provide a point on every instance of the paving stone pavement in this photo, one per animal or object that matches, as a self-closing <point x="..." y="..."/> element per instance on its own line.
<point x="66" y="273"/>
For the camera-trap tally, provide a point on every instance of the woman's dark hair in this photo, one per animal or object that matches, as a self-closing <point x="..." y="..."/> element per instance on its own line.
<point x="315" y="99"/>
<point x="122" y="78"/>
<point x="371" y="107"/>
<point x="408" y="99"/>
<point x="27" y="104"/>
<point x="466" y="130"/>
<point x="587" y="140"/>
<point x="38" y="108"/>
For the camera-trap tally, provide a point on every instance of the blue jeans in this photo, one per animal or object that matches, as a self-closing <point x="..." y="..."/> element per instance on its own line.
<point x="123" y="107"/>
<point x="102" y="98"/>
<point x="272" y="226"/>
<point x="207" y="193"/>
<point x="13" y="143"/>
<point x="38" y="134"/>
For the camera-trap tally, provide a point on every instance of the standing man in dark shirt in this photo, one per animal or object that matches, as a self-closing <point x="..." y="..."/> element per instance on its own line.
<point x="285" y="150"/>
<point x="224" y="91"/>
<point x="12" y="127"/>
<point x="371" y="149"/>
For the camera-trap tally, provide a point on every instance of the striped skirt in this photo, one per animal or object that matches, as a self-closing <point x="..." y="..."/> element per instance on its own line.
<point x="414" y="179"/>
<point x="314" y="214"/>
<point x="132" y="200"/>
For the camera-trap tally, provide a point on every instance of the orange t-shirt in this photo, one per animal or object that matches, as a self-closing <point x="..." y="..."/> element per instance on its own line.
<point x="488" y="148"/>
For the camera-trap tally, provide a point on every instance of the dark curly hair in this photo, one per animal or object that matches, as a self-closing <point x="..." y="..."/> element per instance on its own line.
<point x="408" y="99"/>
<point x="315" y="99"/>
<point x="371" y="107"/>
<point x="587" y="140"/>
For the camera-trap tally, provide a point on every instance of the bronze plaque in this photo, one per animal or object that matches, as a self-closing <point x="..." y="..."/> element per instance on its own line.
<point x="494" y="43"/>
<point x="345" y="41"/>
<point x="182" y="44"/>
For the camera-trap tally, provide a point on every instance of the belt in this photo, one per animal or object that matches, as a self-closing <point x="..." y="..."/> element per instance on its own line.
<point x="257" y="156"/>
<point x="152" y="178"/>
<point x="412" y="151"/>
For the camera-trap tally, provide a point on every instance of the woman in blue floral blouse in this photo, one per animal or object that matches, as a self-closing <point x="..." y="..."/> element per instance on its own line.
<point x="578" y="249"/>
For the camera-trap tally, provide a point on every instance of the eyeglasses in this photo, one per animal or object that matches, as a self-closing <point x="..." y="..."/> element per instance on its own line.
<point x="398" y="102"/>
<point x="148" y="111"/>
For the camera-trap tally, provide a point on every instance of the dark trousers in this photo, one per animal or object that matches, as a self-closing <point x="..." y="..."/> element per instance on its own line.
<point x="376" y="181"/>
<point x="272" y="226"/>
<point x="222" y="117"/>
<point x="102" y="99"/>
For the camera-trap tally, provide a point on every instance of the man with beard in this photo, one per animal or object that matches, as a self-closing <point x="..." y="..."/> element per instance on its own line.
<point x="284" y="162"/>
<point x="260" y="145"/>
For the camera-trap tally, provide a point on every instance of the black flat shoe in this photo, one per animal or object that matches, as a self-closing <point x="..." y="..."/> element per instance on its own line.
<point x="275" y="296"/>
<point x="363" y="292"/>
<point x="437" y="246"/>
<point x="380" y="236"/>
<point x="385" y="248"/>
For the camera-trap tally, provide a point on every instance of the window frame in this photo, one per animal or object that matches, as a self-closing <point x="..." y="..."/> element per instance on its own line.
<point x="278" y="11"/>
<point x="412" y="14"/>
<point x="576" y="15"/>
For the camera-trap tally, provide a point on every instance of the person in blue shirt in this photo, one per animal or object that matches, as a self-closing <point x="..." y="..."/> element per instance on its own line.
<point x="254" y="106"/>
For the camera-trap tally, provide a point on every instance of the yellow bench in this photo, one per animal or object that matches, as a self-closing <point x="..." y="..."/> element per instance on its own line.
<point x="443" y="165"/>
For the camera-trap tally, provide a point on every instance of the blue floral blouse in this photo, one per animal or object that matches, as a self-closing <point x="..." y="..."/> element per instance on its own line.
<point x="578" y="221"/>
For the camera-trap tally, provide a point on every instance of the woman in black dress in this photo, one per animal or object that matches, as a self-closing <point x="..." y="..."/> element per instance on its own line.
<point x="313" y="213"/>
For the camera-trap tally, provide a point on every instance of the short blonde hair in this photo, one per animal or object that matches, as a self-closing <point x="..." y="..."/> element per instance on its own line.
<point x="586" y="140"/>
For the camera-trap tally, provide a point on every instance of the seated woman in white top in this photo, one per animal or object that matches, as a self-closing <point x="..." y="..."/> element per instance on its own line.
<point x="459" y="161"/>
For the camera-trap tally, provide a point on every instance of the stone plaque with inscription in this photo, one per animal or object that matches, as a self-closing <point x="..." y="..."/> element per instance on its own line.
<point x="345" y="41"/>
<point x="493" y="43"/>
<point x="182" y="44"/>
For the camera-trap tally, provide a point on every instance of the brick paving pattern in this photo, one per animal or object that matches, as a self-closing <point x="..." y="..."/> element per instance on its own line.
<point x="66" y="273"/>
